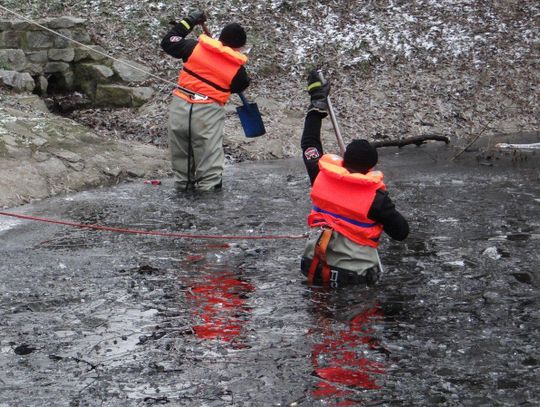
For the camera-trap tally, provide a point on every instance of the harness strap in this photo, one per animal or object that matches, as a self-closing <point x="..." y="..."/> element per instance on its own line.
<point x="207" y="81"/>
<point x="319" y="257"/>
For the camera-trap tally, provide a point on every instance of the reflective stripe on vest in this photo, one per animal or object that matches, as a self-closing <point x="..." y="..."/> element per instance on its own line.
<point x="210" y="70"/>
<point x="341" y="201"/>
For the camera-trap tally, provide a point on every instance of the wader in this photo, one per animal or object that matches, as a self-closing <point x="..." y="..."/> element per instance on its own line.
<point x="196" y="144"/>
<point x="331" y="259"/>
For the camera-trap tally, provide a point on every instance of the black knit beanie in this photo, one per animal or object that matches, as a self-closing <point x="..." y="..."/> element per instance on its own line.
<point x="233" y="35"/>
<point x="360" y="156"/>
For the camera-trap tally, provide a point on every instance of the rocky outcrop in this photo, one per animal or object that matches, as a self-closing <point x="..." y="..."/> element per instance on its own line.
<point x="22" y="82"/>
<point x="57" y="56"/>
<point x="42" y="155"/>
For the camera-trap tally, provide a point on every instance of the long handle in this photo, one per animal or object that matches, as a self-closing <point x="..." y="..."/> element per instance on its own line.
<point x="381" y="270"/>
<point x="244" y="99"/>
<point x="206" y="30"/>
<point x="340" y="142"/>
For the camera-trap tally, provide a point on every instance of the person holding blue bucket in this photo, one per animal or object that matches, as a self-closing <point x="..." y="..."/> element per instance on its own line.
<point x="213" y="69"/>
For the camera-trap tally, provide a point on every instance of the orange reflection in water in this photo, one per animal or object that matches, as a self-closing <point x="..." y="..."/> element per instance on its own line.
<point x="340" y="360"/>
<point x="221" y="304"/>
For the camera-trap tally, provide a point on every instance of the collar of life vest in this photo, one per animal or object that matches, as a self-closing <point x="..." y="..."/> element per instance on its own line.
<point x="216" y="45"/>
<point x="332" y="165"/>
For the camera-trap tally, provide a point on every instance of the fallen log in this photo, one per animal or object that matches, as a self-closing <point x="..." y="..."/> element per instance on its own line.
<point x="417" y="140"/>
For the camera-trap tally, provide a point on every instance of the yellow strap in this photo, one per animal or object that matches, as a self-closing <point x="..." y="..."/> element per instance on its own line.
<point x="314" y="85"/>
<point x="320" y="248"/>
<point x="185" y="24"/>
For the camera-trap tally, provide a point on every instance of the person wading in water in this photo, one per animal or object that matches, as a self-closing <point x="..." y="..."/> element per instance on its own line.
<point x="351" y="206"/>
<point x="212" y="70"/>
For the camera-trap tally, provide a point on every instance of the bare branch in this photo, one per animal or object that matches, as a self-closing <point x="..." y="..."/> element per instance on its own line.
<point x="418" y="140"/>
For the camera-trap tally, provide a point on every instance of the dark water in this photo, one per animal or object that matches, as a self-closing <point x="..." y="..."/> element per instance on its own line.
<point x="94" y="318"/>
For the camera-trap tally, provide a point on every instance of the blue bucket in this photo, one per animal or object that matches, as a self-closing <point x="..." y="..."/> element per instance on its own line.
<point x="250" y="117"/>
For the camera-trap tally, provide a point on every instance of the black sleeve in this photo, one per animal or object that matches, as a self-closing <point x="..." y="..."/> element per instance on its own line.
<point x="384" y="212"/>
<point x="240" y="81"/>
<point x="175" y="44"/>
<point x="311" y="145"/>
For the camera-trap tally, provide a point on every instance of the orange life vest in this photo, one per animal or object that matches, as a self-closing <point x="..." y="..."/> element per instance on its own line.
<point x="209" y="71"/>
<point x="341" y="200"/>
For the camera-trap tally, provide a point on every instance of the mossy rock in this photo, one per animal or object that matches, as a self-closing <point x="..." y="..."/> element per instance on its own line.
<point x="122" y="96"/>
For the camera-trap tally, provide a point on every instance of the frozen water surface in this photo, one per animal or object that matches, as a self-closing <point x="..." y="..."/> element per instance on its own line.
<point x="96" y="318"/>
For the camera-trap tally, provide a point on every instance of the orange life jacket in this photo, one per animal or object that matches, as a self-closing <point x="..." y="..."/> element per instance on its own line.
<point x="341" y="200"/>
<point x="209" y="71"/>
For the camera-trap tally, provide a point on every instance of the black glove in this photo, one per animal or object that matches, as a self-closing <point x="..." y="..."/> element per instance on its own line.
<point x="196" y="18"/>
<point x="318" y="91"/>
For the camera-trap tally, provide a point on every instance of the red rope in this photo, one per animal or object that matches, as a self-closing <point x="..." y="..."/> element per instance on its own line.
<point x="150" y="232"/>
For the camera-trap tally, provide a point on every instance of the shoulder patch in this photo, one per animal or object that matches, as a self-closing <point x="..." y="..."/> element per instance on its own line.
<point x="312" y="153"/>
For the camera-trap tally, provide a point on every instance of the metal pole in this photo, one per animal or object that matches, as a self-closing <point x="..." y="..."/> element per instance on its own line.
<point x="333" y="119"/>
<point x="380" y="263"/>
<point x="206" y="30"/>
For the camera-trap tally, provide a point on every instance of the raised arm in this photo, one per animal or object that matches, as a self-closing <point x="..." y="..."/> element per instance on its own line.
<point x="311" y="145"/>
<point x="174" y="42"/>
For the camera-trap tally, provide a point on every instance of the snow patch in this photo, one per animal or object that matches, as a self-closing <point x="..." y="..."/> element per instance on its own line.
<point x="8" y="223"/>
<point x="492" y="253"/>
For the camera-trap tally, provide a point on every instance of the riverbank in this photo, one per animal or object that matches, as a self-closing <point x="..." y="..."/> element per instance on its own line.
<point x="44" y="155"/>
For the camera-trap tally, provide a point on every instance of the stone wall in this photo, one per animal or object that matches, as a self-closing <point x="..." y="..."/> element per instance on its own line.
<point x="33" y="59"/>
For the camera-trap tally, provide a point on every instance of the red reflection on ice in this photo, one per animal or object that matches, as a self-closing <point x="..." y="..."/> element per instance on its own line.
<point x="339" y="359"/>
<point x="221" y="303"/>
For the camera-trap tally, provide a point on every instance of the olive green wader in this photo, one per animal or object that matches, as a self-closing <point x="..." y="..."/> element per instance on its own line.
<point x="347" y="261"/>
<point x="196" y="144"/>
